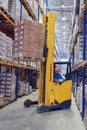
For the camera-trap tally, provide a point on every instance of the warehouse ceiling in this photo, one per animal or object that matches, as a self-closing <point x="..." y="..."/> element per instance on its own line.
<point x="63" y="9"/>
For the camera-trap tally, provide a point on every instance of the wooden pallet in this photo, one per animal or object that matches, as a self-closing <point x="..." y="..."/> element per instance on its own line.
<point x="29" y="59"/>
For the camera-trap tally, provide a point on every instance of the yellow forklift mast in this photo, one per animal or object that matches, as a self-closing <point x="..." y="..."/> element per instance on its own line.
<point x="52" y="96"/>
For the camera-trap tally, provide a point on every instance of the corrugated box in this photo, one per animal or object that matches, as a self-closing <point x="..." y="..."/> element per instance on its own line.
<point x="7" y="85"/>
<point x="29" y="39"/>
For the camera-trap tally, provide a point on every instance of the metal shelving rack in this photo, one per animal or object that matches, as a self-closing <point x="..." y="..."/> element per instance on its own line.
<point x="79" y="70"/>
<point x="8" y="28"/>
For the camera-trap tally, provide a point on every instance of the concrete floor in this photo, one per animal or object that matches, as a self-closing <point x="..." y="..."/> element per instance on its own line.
<point x="16" y="117"/>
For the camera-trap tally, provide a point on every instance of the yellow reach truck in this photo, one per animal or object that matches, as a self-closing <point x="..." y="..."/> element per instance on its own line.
<point x="52" y="96"/>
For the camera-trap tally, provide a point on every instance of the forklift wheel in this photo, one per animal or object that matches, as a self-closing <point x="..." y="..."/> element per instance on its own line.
<point x="27" y="103"/>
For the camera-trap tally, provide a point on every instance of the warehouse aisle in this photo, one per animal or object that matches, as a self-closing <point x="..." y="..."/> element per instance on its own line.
<point x="16" y="117"/>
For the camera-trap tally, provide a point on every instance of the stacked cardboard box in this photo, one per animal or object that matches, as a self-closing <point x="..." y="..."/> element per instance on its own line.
<point x="6" y="44"/>
<point x="20" y="89"/>
<point x="2" y="46"/>
<point x="9" y="46"/>
<point x="29" y="39"/>
<point x="79" y="97"/>
<point x="7" y="85"/>
<point x="26" y="88"/>
<point x="23" y="88"/>
<point x="81" y="48"/>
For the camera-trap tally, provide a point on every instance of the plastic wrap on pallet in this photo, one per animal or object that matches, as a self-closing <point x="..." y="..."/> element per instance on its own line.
<point x="75" y="29"/>
<point x="20" y="89"/>
<point x="3" y="45"/>
<point x="26" y="88"/>
<point x="79" y="97"/>
<point x="6" y="44"/>
<point x="4" y="4"/>
<point x="12" y="8"/>
<point x="7" y="85"/>
<point x="9" y="46"/>
<point x="78" y="50"/>
<point x="81" y="6"/>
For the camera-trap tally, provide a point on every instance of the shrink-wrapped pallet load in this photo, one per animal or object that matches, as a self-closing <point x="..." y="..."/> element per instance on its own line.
<point x="6" y="44"/>
<point x="29" y="39"/>
<point x="9" y="46"/>
<point x="7" y="85"/>
<point x="20" y="89"/>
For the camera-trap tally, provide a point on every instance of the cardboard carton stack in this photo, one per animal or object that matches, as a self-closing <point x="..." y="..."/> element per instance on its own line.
<point x="80" y="48"/>
<point x="9" y="46"/>
<point x="2" y="46"/>
<point x="78" y="51"/>
<point x="7" y="85"/>
<point x="29" y="39"/>
<point x="79" y="97"/>
<point x="20" y="89"/>
<point x="26" y="88"/>
<point x="23" y="88"/>
<point x="6" y="44"/>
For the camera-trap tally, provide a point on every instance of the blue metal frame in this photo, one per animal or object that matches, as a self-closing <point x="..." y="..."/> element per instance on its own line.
<point x="83" y="69"/>
<point x="20" y="9"/>
<point x="60" y="10"/>
<point x="16" y="87"/>
<point x="84" y="36"/>
<point x="47" y="3"/>
<point x="29" y="72"/>
<point x="83" y="92"/>
<point x="62" y="62"/>
<point x="79" y="7"/>
<point x="73" y="58"/>
<point x="47" y="10"/>
<point x="38" y="12"/>
<point x="77" y="75"/>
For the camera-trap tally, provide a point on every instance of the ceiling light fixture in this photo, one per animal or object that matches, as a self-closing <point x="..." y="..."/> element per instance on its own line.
<point x="63" y="6"/>
<point x="64" y="33"/>
<point x="64" y="44"/>
<point x="63" y="18"/>
<point x="64" y="37"/>
<point x="63" y="27"/>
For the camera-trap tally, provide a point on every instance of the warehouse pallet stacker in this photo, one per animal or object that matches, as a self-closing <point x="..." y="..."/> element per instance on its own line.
<point x="52" y="96"/>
